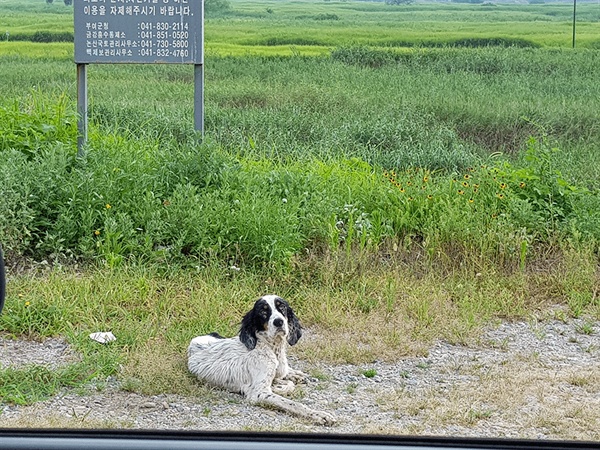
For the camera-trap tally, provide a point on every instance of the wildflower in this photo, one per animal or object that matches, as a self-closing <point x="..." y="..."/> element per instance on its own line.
<point x="430" y="197"/>
<point x="108" y="206"/>
<point x="465" y="184"/>
<point x="97" y="232"/>
<point x="503" y="186"/>
<point x="425" y="179"/>
<point x="461" y="192"/>
<point x="476" y="186"/>
<point x="467" y="176"/>
<point x="27" y="304"/>
<point x="521" y="185"/>
<point x="500" y="196"/>
<point x="402" y="190"/>
<point x="410" y="199"/>
<point x="471" y="200"/>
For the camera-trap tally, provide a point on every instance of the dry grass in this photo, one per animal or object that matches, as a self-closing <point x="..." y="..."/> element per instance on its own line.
<point x="519" y="398"/>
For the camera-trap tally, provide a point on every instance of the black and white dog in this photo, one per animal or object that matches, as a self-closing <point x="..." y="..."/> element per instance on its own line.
<point x="255" y="362"/>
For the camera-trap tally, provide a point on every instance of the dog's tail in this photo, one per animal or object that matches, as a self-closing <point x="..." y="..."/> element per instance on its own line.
<point x="200" y="343"/>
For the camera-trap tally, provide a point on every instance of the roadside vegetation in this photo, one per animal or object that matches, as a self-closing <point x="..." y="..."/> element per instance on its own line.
<point x="392" y="184"/>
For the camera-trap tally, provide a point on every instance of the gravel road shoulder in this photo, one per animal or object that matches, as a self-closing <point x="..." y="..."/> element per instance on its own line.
<point x="538" y="379"/>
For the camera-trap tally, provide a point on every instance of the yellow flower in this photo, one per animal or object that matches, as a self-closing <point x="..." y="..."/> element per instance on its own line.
<point x="108" y="206"/>
<point x="465" y="184"/>
<point x="521" y="185"/>
<point x="467" y="176"/>
<point x="430" y="196"/>
<point x="27" y="304"/>
<point x="500" y="196"/>
<point x="503" y="186"/>
<point x="461" y="192"/>
<point x="97" y="232"/>
<point x="471" y="200"/>
<point x="425" y="179"/>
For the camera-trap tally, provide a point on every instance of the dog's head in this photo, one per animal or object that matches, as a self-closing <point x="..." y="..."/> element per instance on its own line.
<point x="271" y="316"/>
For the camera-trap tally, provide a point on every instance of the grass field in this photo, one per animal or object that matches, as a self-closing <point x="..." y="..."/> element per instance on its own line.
<point x="384" y="163"/>
<point x="250" y="26"/>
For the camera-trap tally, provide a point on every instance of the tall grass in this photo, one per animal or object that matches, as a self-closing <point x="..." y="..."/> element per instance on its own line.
<point x="158" y="198"/>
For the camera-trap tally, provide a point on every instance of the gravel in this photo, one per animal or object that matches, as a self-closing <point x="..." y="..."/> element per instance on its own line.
<point x="538" y="379"/>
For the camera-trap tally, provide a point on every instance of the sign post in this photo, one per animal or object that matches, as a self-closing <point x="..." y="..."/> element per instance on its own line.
<point x="143" y="32"/>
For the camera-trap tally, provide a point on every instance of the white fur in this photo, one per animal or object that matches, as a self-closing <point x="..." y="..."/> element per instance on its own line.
<point x="260" y="373"/>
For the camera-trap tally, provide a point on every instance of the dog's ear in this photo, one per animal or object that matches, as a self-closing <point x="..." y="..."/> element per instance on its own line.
<point x="295" y="329"/>
<point x="248" y="330"/>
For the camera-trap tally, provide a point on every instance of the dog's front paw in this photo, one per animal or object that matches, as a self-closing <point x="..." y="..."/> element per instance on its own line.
<point x="323" y="418"/>
<point x="296" y="376"/>
<point x="283" y="387"/>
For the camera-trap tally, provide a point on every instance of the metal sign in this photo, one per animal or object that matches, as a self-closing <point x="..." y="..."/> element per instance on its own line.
<point x="139" y="31"/>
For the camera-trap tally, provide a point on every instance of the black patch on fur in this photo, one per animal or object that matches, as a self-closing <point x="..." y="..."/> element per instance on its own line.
<point x="253" y="322"/>
<point x="295" y="329"/>
<point x="216" y="335"/>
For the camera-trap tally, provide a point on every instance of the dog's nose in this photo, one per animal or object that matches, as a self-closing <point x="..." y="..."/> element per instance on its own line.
<point x="278" y="323"/>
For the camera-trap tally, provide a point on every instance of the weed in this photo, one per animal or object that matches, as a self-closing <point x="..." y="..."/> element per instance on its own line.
<point x="369" y="373"/>
<point x="586" y="327"/>
<point x="351" y="388"/>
